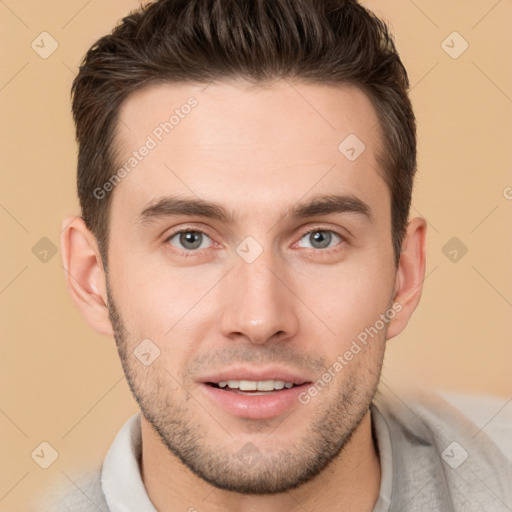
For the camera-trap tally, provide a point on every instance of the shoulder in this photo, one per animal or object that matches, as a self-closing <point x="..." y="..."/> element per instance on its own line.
<point x="446" y="448"/>
<point x="481" y="424"/>
<point x="486" y="416"/>
<point x="78" y="493"/>
<point x="491" y="414"/>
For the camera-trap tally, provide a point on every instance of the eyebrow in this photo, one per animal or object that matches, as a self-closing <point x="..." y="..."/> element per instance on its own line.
<point x="170" y="206"/>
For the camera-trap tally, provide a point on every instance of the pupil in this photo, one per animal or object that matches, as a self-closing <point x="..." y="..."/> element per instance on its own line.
<point x="321" y="239"/>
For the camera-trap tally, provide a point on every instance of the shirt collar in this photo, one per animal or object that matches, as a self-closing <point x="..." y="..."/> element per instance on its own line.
<point x="121" y="480"/>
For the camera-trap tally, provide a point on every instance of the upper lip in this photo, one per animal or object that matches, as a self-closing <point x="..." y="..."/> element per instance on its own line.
<point x="256" y="374"/>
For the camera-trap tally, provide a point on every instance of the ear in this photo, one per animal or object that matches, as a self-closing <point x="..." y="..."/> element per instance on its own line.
<point x="410" y="275"/>
<point x="84" y="273"/>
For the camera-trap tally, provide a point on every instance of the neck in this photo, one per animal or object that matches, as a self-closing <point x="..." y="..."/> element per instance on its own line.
<point x="351" y="482"/>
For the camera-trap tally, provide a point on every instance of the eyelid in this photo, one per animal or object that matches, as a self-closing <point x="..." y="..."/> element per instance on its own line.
<point x="322" y="228"/>
<point x="185" y="228"/>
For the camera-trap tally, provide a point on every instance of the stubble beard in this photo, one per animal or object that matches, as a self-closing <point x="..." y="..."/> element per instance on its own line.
<point x="269" y="471"/>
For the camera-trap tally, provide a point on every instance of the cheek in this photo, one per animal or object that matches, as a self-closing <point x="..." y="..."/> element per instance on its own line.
<point x="154" y="297"/>
<point x="347" y="300"/>
<point x="171" y="305"/>
<point x="167" y="306"/>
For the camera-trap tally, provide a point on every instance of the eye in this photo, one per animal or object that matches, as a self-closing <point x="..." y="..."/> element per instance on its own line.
<point x="189" y="240"/>
<point x="321" y="238"/>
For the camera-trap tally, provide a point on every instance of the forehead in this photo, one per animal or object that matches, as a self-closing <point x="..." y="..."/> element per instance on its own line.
<point x="240" y="143"/>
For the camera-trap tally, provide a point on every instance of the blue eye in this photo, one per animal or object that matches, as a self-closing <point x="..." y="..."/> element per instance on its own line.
<point x="321" y="238"/>
<point x="190" y="240"/>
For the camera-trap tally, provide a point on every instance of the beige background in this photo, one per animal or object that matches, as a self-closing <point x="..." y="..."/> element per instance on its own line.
<point x="63" y="384"/>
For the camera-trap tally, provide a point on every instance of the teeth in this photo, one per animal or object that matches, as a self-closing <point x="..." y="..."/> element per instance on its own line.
<point x="243" y="385"/>
<point x="252" y="385"/>
<point x="265" y="385"/>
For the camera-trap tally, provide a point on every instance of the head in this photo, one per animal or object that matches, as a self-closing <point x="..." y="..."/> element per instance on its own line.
<point x="264" y="227"/>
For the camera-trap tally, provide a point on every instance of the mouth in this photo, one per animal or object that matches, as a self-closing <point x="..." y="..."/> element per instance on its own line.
<point x="253" y="387"/>
<point x="254" y="394"/>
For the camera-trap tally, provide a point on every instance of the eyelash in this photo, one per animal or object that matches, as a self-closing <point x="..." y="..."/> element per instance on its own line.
<point x="190" y="253"/>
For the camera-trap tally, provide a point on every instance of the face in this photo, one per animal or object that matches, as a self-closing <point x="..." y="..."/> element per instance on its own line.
<point x="248" y="247"/>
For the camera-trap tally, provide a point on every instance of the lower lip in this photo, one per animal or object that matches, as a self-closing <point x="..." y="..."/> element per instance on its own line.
<point x="257" y="407"/>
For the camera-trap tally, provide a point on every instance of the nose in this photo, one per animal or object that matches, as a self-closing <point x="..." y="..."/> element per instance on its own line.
<point x="259" y="306"/>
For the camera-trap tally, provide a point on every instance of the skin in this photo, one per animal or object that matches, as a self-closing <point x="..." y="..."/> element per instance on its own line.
<point x="257" y="151"/>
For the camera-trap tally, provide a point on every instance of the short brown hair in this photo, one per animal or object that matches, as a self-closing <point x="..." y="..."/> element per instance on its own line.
<point x="332" y="42"/>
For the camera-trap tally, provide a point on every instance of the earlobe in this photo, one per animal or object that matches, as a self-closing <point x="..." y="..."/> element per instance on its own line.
<point x="84" y="273"/>
<point x="410" y="275"/>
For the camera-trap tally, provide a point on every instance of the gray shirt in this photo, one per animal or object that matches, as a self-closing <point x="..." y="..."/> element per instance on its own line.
<point x="433" y="459"/>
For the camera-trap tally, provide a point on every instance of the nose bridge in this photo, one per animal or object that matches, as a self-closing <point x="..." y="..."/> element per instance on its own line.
<point x="258" y="304"/>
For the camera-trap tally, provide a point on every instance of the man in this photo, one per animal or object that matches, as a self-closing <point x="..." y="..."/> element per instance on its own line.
<point x="245" y="173"/>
